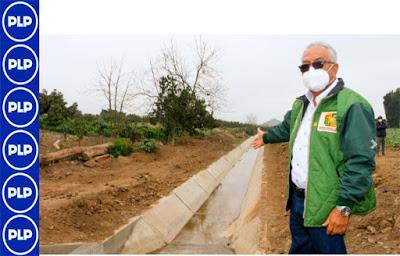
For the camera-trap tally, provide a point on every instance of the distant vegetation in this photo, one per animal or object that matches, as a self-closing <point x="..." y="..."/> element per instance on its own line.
<point x="182" y="98"/>
<point x="391" y="102"/>
<point x="56" y="115"/>
<point x="393" y="138"/>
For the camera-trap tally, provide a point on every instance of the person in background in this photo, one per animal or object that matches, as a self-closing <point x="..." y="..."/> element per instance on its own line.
<point x="380" y="134"/>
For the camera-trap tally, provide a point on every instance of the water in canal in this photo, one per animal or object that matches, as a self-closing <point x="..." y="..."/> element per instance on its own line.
<point x="203" y="233"/>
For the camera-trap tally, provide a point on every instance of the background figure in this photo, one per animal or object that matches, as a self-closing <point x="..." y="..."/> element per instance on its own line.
<point x="381" y="134"/>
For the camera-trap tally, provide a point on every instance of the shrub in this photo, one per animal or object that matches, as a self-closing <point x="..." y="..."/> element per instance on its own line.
<point x="151" y="132"/>
<point x="128" y="131"/>
<point x="107" y="132"/>
<point x="250" y="130"/>
<point x="199" y="133"/>
<point x="120" y="147"/>
<point x="149" y="145"/>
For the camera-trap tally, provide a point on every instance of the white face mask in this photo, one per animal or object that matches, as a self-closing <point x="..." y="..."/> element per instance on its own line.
<point x="315" y="79"/>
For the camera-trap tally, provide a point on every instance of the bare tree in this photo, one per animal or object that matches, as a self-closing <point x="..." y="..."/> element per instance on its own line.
<point x="200" y="75"/>
<point x="116" y="86"/>
<point x="251" y="119"/>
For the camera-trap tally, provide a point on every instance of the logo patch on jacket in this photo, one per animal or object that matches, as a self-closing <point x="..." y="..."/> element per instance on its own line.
<point x="327" y="122"/>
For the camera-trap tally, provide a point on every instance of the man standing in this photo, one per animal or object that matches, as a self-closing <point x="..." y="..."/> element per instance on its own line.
<point x="331" y="132"/>
<point x="380" y="135"/>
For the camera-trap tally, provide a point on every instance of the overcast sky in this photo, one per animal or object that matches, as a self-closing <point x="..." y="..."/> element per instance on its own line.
<point x="260" y="45"/>
<point x="259" y="71"/>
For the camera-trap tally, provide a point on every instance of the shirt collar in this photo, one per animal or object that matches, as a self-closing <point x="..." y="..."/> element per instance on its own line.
<point x="310" y="96"/>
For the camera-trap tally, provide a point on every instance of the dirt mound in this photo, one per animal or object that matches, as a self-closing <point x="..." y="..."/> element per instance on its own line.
<point x="378" y="232"/>
<point x="95" y="215"/>
<point x="80" y="203"/>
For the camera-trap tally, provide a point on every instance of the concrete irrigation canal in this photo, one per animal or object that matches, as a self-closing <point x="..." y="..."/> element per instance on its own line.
<point x="212" y="212"/>
<point x="204" y="232"/>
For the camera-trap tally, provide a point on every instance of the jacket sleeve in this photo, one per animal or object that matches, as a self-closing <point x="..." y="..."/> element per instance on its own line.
<point x="381" y="126"/>
<point x="357" y="139"/>
<point x="280" y="132"/>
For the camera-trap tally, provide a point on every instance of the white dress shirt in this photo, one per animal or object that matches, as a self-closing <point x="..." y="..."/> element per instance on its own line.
<point x="301" y="143"/>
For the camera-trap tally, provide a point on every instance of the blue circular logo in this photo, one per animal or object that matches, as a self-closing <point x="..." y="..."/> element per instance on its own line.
<point x="20" y="21"/>
<point x="20" y="107"/>
<point x="20" y="234"/>
<point x="20" y="150"/>
<point x="20" y="64"/>
<point x="20" y="193"/>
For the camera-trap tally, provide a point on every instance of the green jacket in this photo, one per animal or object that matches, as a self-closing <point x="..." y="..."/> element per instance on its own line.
<point x="341" y="153"/>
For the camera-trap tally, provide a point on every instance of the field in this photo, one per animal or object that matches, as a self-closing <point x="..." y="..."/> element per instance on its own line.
<point x="86" y="203"/>
<point x="393" y="138"/>
<point x="378" y="232"/>
<point x="82" y="203"/>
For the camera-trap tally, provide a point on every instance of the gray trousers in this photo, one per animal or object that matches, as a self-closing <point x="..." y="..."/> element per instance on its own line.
<point x="380" y="147"/>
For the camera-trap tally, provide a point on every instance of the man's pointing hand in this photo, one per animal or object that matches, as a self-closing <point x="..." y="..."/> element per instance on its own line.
<point x="258" y="141"/>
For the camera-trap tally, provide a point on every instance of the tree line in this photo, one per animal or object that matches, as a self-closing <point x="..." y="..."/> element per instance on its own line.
<point x="391" y="102"/>
<point x="173" y="114"/>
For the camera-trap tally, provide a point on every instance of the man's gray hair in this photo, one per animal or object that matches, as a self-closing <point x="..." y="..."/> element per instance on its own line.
<point x="332" y="51"/>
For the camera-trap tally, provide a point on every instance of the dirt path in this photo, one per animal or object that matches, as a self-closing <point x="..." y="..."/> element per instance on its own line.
<point x="378" y="232"/>
<point x="274" y="237"/>
<point x="80" y="203"/>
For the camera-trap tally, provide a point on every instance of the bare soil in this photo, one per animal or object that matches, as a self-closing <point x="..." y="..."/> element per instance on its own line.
<point x="378" y="232"/>
<point x="80" y="203"/>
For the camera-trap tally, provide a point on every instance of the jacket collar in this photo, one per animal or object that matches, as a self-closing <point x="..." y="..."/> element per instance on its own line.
<point x="339" y="85"/>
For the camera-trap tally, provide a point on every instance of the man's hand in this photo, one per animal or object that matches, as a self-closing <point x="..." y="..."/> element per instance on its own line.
<point x="336" y="224"/>
<point x="258" y="141"/>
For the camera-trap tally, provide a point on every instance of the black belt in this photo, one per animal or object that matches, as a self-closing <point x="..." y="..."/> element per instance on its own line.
<point x="299" y="191"/>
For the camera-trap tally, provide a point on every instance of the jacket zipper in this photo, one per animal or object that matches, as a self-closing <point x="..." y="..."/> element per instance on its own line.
<point x="308" y="154"/>
<point x="295" y="134"/>
<point x="308" y="162"/>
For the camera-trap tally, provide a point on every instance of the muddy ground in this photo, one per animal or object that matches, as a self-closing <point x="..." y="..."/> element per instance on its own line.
<point x="80" y="203"/>
<point x="378" y="232"/>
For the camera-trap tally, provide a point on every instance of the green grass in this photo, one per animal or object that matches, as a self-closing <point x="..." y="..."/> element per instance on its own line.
<point x="393" y="138"/>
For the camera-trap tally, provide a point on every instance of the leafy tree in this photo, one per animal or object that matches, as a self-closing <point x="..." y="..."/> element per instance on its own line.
<point x="72" y="111"/>
<point x="110" y="115"/>
<point x="391" y="102"/>
<point x="54" y="105"/>
<point x="178" y="108"/>
<point x="77" y="126"/>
